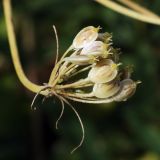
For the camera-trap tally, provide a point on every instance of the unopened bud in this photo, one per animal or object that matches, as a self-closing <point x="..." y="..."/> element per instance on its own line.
<point x="106" y="90"/>
<point x="86" y="36"/>
<point x="97" y="48"/>
<point x="128" y="88"/>
<point x="103" y="71"/>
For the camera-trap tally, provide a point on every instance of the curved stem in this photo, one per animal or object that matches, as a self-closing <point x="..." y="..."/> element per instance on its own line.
<point x="57" y="43"/>
<point x="138" y="8"/>
<point x="61" y="114"/>
<point x="81" y="123"/>
<point x="128" y="12"/>
<point x="14" y="51"/>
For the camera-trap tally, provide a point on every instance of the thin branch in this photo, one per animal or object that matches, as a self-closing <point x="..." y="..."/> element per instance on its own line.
<point x="57" y="43"/>
<point x="14" y="51"/>
<point x="128" y="12"/>
<point x="81" y="123"/>
<point x="61" y="114"/>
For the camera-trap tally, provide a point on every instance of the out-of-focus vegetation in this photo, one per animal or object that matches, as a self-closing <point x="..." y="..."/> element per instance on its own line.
<point x="118" y="131"/>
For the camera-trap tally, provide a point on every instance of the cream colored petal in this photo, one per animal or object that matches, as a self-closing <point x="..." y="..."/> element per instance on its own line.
<point x="103" y="72"/>
<point x="106" y="90"/>
<point x="85" y="37"/>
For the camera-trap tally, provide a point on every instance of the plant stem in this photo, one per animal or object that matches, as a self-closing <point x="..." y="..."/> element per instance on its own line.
<point x="14" y="51"/>
<point x="56" y="67"/>
<point x="128" y="12"/>
<point x="76" y="84"/>
<point x="138" y="8"/>
<point x="108" y="100"/>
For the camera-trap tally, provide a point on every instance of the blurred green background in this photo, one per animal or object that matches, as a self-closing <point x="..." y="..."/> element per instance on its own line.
<point x="117" y="131"/>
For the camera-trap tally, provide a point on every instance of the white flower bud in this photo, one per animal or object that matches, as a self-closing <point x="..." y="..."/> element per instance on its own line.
<point x="80" y="59"/>
<point x="97" y="48"/>
<point x="103" y="72"/>
<point x="128" y="88"/>
<point x="106" y="90"/>
<point x="86" y="36"/>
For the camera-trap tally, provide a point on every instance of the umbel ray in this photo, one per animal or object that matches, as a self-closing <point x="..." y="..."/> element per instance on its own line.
<point x="88" y="72"/>
<point x="91" y="54"/>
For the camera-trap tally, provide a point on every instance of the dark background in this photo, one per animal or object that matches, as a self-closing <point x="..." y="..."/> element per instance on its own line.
<point x="117" y="131"/>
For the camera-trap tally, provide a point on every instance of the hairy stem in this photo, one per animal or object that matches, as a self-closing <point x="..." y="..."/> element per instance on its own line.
<point x="14" y="51"/>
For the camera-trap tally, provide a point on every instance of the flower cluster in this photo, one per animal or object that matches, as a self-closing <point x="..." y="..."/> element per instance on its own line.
<point x="89" y="72"/>
<point x="92" y="53"/>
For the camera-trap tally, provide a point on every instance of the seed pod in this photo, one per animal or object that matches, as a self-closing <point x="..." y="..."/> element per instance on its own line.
<point x="103" y="72"/>
<point x="80" y="59"/>
<point x="96" y="48"/>
<point x="106" y="90"/>
<point x="128" y="88"/>
<point x="86" y="36"/>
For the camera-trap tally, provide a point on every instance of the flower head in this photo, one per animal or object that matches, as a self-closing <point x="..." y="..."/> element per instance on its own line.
<point x="93" y="55"/>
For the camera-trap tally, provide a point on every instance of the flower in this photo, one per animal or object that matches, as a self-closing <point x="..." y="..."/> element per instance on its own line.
<point x="86" y="36"/>
<point x="128" y="88"/>
<point x="104" y="71"/>
<point x="106" y="90"/>
<point x="96" y="48"/>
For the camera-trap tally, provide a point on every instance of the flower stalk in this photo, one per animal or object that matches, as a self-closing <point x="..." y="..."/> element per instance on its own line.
<point x="14" y="51"/>
<point x="129" y="12"/>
